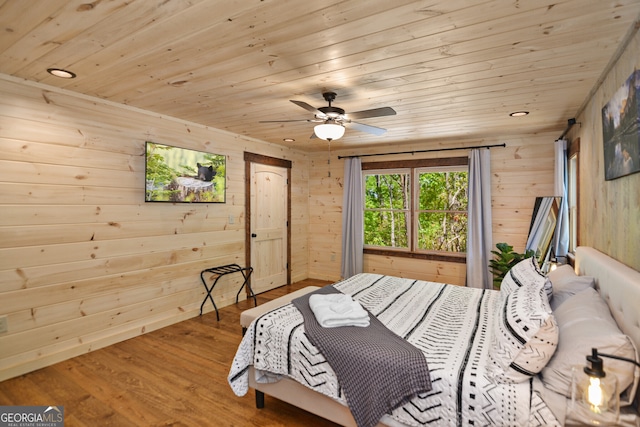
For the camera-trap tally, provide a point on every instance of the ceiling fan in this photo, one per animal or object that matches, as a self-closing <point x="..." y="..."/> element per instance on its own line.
<point x="333" y="119"/>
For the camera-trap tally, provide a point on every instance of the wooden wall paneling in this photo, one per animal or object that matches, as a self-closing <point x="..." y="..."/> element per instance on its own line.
<point x="443" y="272"/>
<point x="44" y="336"/>
<point x="40" y="44"/>
<point x="37" y="173"/>
<point x="193" y="17"/>
<point x="128" y="20"/>
<point x="45" y="193"/>
<point x="44" y="356"/>
<point x="602" y="203"/>
<point x="476" y="58"/>
<point x="33" y="256"/>
<point x="84" y="261"/>
<point x="521" y="171"/>
<point x="51" y="234"/>
<point x="31" y="15"/>
<point x="76" y="307"/>
<point x="255" y="74"/>
<point x="23" y="288"/>
<point x="179" y="214"/>
<point x="283" y="34"/>
<point x="21" y="150"/>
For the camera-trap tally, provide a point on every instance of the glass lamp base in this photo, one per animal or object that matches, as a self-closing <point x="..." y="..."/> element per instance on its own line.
<point x="594" y="401"/>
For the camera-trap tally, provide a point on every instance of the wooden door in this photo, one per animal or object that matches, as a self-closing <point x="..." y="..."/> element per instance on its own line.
<point x="268" y="226"/>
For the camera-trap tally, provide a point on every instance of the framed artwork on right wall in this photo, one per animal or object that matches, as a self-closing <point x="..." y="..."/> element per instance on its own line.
<point x="620" y="131"/>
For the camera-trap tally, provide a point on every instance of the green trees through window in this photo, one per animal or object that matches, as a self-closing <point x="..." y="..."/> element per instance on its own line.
<point x="442" y="211"/>
<point x="386" y="210"/>
<point x="416" y="209"/>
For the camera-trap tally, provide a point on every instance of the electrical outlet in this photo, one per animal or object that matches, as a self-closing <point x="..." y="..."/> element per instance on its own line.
<point x="4" y="327"/>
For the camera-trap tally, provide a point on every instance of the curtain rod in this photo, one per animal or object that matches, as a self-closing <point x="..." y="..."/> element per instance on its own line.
<point x="570" y="124"/>
<point x="424" y="151"/>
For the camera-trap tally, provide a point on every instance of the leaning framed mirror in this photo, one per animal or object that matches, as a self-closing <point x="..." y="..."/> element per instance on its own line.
<point x="542" y="228"/>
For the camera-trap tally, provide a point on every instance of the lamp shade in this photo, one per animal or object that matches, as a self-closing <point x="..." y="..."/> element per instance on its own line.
<point x="594" y="394"/>
<point x="329" y="131"/>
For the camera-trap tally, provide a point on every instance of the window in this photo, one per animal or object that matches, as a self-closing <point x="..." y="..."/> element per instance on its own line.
<point x="442" y="210"/>
<point x="387" y="212"/>
<point x="416" y="207"/>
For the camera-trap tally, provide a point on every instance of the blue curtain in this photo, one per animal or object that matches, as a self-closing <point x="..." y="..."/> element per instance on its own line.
<point x="561" y="235"/>
<point x="479" y="229"/>
<point x="352" y="219"/>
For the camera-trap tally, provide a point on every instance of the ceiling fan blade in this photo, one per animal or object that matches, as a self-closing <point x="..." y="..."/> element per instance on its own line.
<point x="375" y="112"/>
<point x="365" y="128"/>
<point x="307" y="107"/>
<point x="288" y="121"/>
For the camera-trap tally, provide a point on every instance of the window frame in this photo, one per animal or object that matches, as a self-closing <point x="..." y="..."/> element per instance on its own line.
<point x="408" y="210"/>
<point x="445" y="164"/>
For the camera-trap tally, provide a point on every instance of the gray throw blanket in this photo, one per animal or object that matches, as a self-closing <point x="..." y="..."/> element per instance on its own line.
<point x="377" y="370"/>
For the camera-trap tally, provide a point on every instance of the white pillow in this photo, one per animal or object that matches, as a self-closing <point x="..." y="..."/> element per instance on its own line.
<point x="525" y="273"/>
<point x="525" y="335"/>
<point x="566" y="283"/>
<point x="585" y="322"/>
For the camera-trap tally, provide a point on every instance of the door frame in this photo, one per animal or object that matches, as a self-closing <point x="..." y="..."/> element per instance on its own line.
<point x="270" y="161"/>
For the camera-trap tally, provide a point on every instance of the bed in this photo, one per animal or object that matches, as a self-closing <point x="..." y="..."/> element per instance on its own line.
<point x="472" y="375"/>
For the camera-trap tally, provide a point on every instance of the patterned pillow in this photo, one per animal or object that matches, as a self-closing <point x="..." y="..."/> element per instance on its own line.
<point x="525" y="273"/>
<point x="525" y="335"/>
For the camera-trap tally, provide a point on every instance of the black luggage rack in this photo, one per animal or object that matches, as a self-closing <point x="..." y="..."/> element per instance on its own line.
<point x="223" y="270"/>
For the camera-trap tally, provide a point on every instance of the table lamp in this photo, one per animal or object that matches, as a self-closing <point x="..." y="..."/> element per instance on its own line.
<point x="595" y="398"/>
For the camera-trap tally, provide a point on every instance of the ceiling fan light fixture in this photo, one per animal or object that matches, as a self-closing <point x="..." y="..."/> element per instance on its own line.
<point x="329" y="131"/>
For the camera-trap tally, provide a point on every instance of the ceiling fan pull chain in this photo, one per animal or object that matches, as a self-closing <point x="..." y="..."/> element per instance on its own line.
<point x="329" y="161"/>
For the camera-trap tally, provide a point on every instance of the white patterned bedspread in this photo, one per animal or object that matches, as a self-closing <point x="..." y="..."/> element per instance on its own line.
<point x="450" y="324"/>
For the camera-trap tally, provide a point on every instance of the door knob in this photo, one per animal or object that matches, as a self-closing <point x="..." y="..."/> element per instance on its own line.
<point x="254" y="235"/>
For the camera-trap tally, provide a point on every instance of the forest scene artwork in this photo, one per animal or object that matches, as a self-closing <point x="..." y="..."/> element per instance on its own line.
<point x="621" y="134"/>
<point x="180" y="175"/>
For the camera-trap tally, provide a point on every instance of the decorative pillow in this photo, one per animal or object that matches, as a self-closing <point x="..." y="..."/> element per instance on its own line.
<point x="585" y="322"/>
<point x="525" y="273"/>
<point x="525" y="335"/>
<point x="565" y="283"/>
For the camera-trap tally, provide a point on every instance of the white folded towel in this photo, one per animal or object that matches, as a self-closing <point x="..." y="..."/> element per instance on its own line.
<point x="334" y="310"/>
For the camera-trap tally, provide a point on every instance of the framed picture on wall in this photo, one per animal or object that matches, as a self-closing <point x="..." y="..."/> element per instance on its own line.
<point x="620" y="132"/>
<point x="180" y="175"/>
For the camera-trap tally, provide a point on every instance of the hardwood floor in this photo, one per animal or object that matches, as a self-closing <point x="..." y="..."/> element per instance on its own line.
<point x="175" y="376"/>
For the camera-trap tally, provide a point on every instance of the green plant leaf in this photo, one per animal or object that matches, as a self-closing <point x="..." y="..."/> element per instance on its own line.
<point x="505" y="258"/>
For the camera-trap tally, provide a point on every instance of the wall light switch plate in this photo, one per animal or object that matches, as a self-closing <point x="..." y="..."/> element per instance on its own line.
<point x="4" y="326"/>
<point x="231" y="219"/>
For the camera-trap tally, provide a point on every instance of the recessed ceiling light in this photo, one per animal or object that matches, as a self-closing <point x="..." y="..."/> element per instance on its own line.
<point x="289" y="140"/>
<point x="518" y="113"/>
<point x="59" y="72"/>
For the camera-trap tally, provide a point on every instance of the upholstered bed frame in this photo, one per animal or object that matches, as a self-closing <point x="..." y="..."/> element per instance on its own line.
<point x="618" y="284"/>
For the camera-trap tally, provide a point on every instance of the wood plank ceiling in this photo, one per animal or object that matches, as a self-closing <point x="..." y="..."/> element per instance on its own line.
<point x="450" y="68"/>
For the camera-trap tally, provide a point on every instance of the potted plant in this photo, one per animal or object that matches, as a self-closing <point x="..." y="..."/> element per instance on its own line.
<point x="505" y="258"/>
